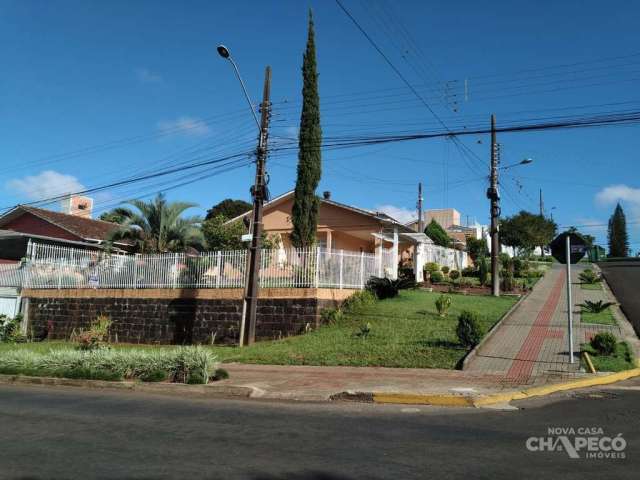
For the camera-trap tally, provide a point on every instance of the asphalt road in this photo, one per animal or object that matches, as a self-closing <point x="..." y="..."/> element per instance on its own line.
<point x="624" y="278"/>
<point x="72" y="433"/>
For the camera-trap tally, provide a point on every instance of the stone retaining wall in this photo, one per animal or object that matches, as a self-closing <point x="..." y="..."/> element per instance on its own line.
<point x="176" y="316"/>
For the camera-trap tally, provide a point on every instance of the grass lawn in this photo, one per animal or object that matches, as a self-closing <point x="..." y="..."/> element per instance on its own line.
<point x="622" y="359"/>
<point x="603" y="318"/>
<point x="591" y="286"/>
<point x="405" y="332"/>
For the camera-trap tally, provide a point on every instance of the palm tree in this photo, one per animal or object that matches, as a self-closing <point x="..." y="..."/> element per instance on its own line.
<point x="157" y="226"/>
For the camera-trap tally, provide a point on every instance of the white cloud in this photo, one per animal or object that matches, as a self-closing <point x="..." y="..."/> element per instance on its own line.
<point x="621" y="193"/>
<point x="44" y="185"/>
<point x="186" y="125"/>
<point x="403" y="215"/>
<point x="144" y="75"/>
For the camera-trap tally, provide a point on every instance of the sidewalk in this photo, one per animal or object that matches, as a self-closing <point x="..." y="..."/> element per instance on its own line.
<point x="532" y="342"/>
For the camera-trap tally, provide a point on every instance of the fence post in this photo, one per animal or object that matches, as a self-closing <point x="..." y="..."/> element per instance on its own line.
<point x="135" y="270"/>
<point x="341" y="263"/>
<point x="362" y="269"/>
<point x="219" y="268"/>
<point x="317" y="279"/>
<point x="175" y="271"/>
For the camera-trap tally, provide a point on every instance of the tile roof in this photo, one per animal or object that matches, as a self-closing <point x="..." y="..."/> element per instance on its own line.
<point x="85" y="228"/>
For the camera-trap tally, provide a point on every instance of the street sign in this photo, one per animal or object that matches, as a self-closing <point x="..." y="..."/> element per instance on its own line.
<point x="246" y="237"/>
<point x="578" y="247"/>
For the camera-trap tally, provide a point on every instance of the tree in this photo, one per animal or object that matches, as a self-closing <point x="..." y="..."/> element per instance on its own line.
<point x="117" y="215"/>
<point x="477" y="247"/>
<point x="222" y="236"/>
<point x="228" y="207"/>
<point x="617" y="234"/>
<point x="526" y="231"/>
<point x="304" y="214"/>
<point x="157" y="226"/>
<point x="438" y="234"/>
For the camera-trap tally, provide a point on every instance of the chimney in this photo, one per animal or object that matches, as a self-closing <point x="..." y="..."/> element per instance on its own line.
<point x="326" y="195"/>
<point x="78" y="206"/>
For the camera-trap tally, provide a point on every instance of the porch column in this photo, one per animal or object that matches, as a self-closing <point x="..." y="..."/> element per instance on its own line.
<point x="379" y="258"/>
<point x="329" y="241"/>
<point x="394" y="267"/>
<point x="418" y="261"/>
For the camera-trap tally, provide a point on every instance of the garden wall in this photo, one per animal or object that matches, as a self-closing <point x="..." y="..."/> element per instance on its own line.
<point x="176" y="316"/>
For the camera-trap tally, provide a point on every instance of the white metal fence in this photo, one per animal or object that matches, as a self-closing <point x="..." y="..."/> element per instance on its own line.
<point x="11" y="275"/>
<point x="454" y="259"/>
<point x="61" y="267"/>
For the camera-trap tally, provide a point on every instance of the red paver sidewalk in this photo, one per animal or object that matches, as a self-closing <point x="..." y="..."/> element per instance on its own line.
<point x="533" y="340"/>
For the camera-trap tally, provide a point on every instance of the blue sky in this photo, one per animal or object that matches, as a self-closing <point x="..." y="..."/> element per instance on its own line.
<point x="81" y="74"/>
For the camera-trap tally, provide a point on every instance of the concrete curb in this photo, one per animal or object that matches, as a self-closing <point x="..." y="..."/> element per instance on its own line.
<point x="207" y="391"/>
<point x="492" y="399"/>
<point x="474" y="351"/>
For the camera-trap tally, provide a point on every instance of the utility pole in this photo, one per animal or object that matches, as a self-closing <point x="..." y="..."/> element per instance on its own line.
<point x="541" y="204"/>
<point x="258" y="191"/>
<point x="420" y="218"/>
<point x="494" y="196"/>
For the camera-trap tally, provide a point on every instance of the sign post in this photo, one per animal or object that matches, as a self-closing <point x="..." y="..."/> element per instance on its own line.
<point x="569" y="300"/>
<point x="569" y="248"/>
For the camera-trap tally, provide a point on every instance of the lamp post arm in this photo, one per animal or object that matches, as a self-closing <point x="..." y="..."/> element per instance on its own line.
<point x="244" y="90"/>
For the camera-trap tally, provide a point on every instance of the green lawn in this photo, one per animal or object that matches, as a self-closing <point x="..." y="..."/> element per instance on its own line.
<point x="405" y="332"/>
<point x="603" y="318"/>
<point x="622" y="359"/>
<point x="591" y="286"/>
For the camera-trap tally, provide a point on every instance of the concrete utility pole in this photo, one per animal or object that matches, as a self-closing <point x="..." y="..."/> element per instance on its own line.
<point x="258" y="192"/>
<point x="419" y="205"/>
<point x="494" y="196"/>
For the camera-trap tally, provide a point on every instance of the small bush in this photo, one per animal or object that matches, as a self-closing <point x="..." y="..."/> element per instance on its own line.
<point x="431" y="267"/>
<point x="10" y="329"/>
<point x="507" y="281"/>
<point x="445" y="269"/>
<point x="483" y="271"/>
<point x="589" y="276"/>
<point x="465" y="282"/>
<point x="454" y="274"/>
<point x="386" y="288"/>
<point x="157" y="375"/>
<point x="443" y="303"/>
<point x="595" y="307"/>
<point x="604" y="343"/>
<point x="196" y="378"/>
<point x="468" y="272"/>
<point x="469" y="329"/>
<point x="331" y="315"/>
<point x="360" y="299"/>
<point x="96" y="336"/>
<point x="437" y="277"/>
<point x="220" y="374"/>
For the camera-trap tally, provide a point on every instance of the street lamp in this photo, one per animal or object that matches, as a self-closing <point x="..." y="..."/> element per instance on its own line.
<point x="525" y="161"/>
<point x="224" y="53"/>
<point x="259" y="193"/>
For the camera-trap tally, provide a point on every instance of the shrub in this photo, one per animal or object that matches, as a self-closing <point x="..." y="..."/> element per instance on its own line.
<point x="444" y="269"/>
<point x="507" y="281"/>
<point x="589" y="276"/>
<point x="454" y="274"/>
<point x="106" y="364"/>
<point x="431" y="267"/>
<point x="443" y="303"/>
<point x="358" y="300"/>
<point x="437" y="277"/>
<point x="468" y="272"/>
<point x="469" y="329"/>
<point x="505" y="260"/>
<point x="466" y="282"/>
<point x="331" y="315"/>
<point x="386" y="288"/>
<point x="96" y="336"/>
<point x="595" y="307"/>
<point x="483" y="271"/>
<point x="10" y="329"/>
<point x="604" y="343"/>
<point x="157" y="375"/>
<point x="220" y="374"/>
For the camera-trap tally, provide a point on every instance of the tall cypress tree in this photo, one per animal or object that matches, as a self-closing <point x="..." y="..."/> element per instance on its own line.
<point x="618" y="237"/>
<point x="305" y="202"/>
